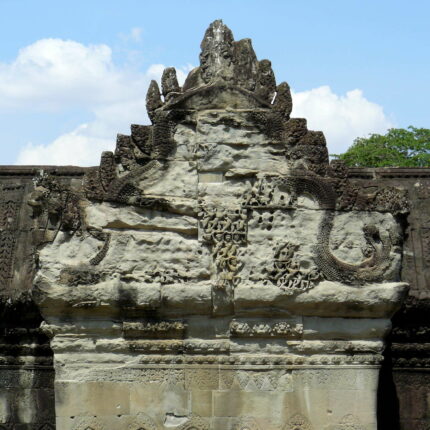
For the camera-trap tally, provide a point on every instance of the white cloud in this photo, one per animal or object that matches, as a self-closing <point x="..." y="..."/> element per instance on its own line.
<point x="78" y="148"/>
<point x="58" y="74"/>
<point x="54" y="74"/>
<point x="134" y="35"/>
<point x="341" y="118"/>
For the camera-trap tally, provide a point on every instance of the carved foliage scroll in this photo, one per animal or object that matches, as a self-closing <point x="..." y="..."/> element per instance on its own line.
<point x="11" y="197"/>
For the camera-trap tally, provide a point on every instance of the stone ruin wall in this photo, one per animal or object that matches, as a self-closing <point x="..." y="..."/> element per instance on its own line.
<point x="214" y="272"/>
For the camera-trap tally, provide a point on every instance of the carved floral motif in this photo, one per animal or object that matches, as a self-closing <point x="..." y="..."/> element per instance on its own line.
<point x="277" y="329"/>
<point x="287" y="272"/>
<point x="225" y="230"/>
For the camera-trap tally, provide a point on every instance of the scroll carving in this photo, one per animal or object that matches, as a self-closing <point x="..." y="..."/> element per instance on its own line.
<point x="57" y="208"/>
<point x="287" y="272"/>
<point x="11" y="196"/>
<point x="225" y="231"/>
<point x="278" y="329"/>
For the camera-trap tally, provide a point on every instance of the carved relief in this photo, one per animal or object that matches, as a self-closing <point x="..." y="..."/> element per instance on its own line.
<point x="287" y="272"/>
<point x="288" y="162"/>
<point x="248" y="380"/>
<point x="87" y="423"/>
<point x="225" y="231"/>
<point x="246" y="423"/>
<point x="11" y="196"/>
<point x="195" y="423"/>
<point x="297" y="422"/>
<point x="425" y="243"/>
<point x="266" y="193"/>
<point x="163" y="276"/>
<point x="282" y="192"/>
<point x="349" y="422"/>
<point x="203" y="379"/>
<point x="142" y="422"/>
<point x="57" y="208"/>
<point x="156" y="330"/>
<point x="265" y="329"/>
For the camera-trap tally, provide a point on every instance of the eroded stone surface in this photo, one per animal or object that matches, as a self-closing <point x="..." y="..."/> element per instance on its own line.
<point x="215" y="272"/>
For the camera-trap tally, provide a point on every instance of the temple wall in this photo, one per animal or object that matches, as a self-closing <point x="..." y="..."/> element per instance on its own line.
<point x="215" y="272"/>
<point x="405" y="385"/>
<point x="27" y="399"/>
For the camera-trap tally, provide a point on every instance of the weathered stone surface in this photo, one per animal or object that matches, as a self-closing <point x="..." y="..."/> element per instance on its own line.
<point x="214" y="272"/>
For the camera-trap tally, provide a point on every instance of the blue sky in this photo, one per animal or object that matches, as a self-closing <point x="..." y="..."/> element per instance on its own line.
<point x="72" y="74"/>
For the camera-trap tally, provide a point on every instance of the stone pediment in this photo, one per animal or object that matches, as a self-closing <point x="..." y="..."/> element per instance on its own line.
<point x="216" y="252"/>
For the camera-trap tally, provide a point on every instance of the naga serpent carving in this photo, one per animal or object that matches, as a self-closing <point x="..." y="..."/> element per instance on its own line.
<point x="372" y="268"/>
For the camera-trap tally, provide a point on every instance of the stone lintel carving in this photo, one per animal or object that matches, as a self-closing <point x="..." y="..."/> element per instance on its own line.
<point x="165" y="329"/>
<point x="281" y="329"/>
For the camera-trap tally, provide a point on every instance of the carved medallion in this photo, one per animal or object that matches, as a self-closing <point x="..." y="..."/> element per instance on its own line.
<point x="298" y="422"/>
<point x="142" y="422"/>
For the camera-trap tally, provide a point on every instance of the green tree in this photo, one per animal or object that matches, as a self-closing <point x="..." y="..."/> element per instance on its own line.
<point x="399" y="147"/>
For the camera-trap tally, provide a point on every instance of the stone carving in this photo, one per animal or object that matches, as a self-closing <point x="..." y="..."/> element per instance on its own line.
<point x="156" y="330"/>
<point x="262" y="195"/>
<point x="297" y="422"/>
<point x="156" y="274"/>
<point x="142" y="422"/>
<point x="11" y="196"/>
<point x="169" y="83"/>
<point x="207" y="347"/>
<point x="206" y="253"/>
<point x="195" y="423"/>
<point x="87" y="423"/>
<point x="225" y="231"/>
<point x="265" y="329"/>
<point x="202" y="379"/>
<point x="372" y="268"/>
<point x="287" y="360"/>
<point x="246" y="423"/>
<point x="256" y="381"/>
<point x="57" y="208"/>
<point x="287" y="272"/>
<point x="349" y="422"/>
<point x="379" y="244"/>
<point x="425" y="241"/>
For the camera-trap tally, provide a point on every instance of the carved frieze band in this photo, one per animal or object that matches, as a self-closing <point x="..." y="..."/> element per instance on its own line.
<point x="280" y="329"/>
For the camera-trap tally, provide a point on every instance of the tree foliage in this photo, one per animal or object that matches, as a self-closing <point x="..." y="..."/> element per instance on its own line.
<point x="399" y="147"/>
